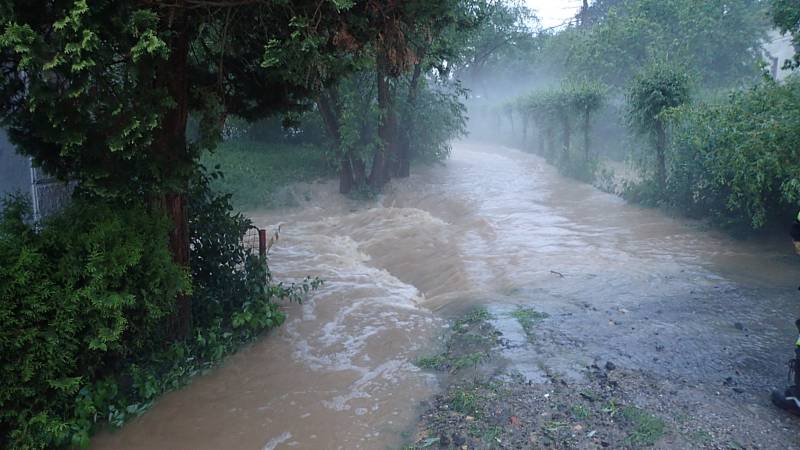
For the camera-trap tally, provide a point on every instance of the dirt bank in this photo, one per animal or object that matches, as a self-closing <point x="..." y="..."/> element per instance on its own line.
<point x="488" y="403"/>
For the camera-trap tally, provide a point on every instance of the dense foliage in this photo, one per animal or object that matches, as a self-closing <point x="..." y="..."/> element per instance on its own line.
<point x="101" y="92"/>
<point x="652" y="93"/>
<point x="86" y="303"/>
<point x="785" y="15"/>
<point x="708" y="135"/>
<point x="737" y="160"/>
<point x="716" y="39"/>
<point x="89" y="291"/>
<point x="559" y="113"/>
<point x="430" y="115"/>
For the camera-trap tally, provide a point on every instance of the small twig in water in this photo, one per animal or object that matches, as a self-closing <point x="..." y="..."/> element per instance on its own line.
<point x="557" y="273"/>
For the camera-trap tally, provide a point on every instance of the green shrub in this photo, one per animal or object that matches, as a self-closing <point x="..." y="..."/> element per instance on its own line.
<point x="652" y="93"/>
<point x="559" y="113"/>
<point x="86" y="301"/>
<point x="79" y="298"/>
<point x="737" y="160"/>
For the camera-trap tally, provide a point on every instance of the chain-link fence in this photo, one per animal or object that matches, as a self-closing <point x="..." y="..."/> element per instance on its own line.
<point x="256" y="240"/>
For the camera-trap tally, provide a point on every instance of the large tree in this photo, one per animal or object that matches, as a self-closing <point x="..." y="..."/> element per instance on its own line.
<point x="100" y="92"/>
<point x="719" y="41"/>
<point x="414" y="40"/>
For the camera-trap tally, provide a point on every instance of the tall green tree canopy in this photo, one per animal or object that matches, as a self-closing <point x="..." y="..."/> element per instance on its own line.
<point x="785" y="15"/>
<point x="717" y="40"/>
<point x="102" y="93"/>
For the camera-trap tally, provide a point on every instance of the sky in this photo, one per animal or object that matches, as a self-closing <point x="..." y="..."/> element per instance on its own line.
<point x="554" y="12"/>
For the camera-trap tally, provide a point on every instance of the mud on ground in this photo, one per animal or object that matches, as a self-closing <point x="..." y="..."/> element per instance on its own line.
<point x="488" y="404"/>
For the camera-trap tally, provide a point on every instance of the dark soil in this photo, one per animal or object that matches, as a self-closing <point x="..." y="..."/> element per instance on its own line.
<point x="488" y="405"/>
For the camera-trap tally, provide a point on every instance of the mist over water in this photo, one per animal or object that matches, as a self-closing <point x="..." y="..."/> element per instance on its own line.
<point x="494" y="227"/>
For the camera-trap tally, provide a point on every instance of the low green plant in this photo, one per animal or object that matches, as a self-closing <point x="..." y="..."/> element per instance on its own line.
<point x="475" y="316"/>
<point x="528" y="318"/>
<point x="79" y="298"/>
<point x="467" y="360"/>
<point x="431" y="362"/>
<point x="735" y="159"/>
<point x="647" y="428"/>
<point x="85" y="302"/>
<point x="579" y="412"/>
<point x="466" y="401"/>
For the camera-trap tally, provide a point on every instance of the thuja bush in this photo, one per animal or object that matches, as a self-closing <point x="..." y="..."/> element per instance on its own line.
<point x="89" y="291"/>
<point x="85" y="302"/>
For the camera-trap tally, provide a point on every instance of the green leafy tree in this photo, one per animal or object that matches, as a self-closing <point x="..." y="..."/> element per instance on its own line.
<point x="414" y="48"/>
<point x="737" y="159"/>
<point x="651" y="94"/>
<point x="586" y="98"/>
<point x="100" y="92"/>
<point x="718" y="41"/>
<point x="499" y="47"/>
<point x="785" y="15"/>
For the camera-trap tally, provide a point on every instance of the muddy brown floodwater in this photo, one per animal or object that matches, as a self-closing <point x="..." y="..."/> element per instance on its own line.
<point x="494" y="227"/>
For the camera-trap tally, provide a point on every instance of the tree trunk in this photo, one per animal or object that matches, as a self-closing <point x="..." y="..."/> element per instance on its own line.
<point x="661" y="163"/>
<point x="567" y="133"/>
<point x="328" y="109"/>
<point x="403" y="169"/>
<point x="585" y="13"/>
<point x="379" y="175"/>
<point x="586" y="131"/>
<point x="524" y="131"/>
<point x="542" y="150"/>
<point x="170" y="142"/>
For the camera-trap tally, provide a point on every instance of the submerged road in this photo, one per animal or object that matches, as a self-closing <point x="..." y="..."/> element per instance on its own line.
<point x="691" y="307"/>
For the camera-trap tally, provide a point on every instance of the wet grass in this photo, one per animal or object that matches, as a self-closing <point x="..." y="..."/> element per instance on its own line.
<point x="647" y="429"/>
<point x="431" y="362"/>
<point x="528" y="318"/>
<point x="254" y="172"/>
<point x="470" y="343"/>
<point x="488" y="408"/>
<point x="474" y="317"/>
<point x="579" y="412"/>
<point x="466" y="400"/>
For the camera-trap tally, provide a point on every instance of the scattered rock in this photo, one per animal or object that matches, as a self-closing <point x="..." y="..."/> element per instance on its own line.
<point x="610" y="366"/>
<point x="739" y="326"/>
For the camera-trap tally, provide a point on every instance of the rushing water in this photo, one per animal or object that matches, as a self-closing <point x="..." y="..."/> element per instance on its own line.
<point x="494" y="226"/>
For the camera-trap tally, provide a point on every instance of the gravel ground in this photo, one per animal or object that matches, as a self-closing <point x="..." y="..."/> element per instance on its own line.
<point x="488" y="404"/>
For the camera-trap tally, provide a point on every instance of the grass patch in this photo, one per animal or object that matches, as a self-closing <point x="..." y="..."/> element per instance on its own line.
<point x="472" y="340"/>
<point x="647" y="428"/>
<point x="475" y="316"/>
<point x="579" y="412"/>
<point x="528" y="318"/>
<point x="492" y="434"/>
<point x="431" y="362"/>
<point x="466" y="401"/>
<point x="255" y="171"/>
<point x="701" y="436"/>
<point x="467" y="361"/>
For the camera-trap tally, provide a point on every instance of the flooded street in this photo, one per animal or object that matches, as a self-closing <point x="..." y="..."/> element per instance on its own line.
<point x="499" y="228"/>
